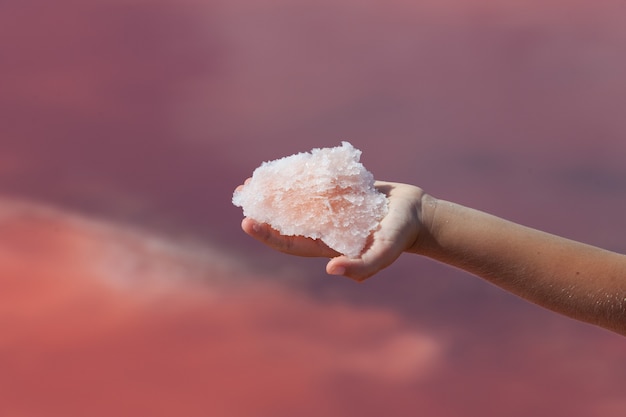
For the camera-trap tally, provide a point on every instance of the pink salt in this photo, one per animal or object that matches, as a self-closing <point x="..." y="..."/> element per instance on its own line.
<point x="324" y="194"/>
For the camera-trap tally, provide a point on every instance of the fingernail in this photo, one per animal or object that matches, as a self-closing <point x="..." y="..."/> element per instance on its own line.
<point x="338" y="270"/>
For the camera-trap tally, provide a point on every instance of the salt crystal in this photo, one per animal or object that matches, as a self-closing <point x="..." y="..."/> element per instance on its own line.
<point x="324" y="194"/>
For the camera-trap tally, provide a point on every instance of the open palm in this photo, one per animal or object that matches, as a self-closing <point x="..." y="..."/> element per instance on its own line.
<point x="397" y="232"/>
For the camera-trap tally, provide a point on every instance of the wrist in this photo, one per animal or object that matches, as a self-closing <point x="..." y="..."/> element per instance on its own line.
<point x="425" y="214"/>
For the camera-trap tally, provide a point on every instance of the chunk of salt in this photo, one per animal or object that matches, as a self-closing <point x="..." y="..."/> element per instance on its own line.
<point x="324" y="194"/>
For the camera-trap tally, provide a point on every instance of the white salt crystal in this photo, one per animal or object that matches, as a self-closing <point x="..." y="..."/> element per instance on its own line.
<point x="324" y="194"/>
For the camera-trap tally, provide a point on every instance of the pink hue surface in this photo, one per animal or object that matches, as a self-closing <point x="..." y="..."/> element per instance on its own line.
<point x="145" y="115"/>
<point x="98" y="320"/>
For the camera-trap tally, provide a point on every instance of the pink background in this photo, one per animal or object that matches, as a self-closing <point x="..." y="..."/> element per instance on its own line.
<point x="127" y="287"/>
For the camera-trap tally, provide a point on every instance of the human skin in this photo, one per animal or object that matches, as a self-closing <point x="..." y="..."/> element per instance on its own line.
<point x="578" y="280"/>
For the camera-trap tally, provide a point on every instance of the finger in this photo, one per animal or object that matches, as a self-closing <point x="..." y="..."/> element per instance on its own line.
<point x="240" y="187"/>
<point x="293" y="245"/>
<point x="380" y="255"/>
<point x="387" y="244"/>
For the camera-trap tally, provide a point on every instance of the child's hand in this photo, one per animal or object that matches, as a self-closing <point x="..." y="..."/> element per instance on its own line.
<point x="398" y="232"/>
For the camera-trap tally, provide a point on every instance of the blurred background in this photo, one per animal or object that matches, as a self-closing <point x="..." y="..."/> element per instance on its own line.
<point x="127" y="287"/>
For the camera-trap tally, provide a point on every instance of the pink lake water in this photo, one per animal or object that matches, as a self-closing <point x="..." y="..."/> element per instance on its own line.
<point x="127" y="287"/>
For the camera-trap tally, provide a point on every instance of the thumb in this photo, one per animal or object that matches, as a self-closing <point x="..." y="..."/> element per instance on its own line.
<point x="373" y="260"/>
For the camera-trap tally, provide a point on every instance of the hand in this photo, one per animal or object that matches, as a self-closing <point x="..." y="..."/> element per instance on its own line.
<point x="397" y="233"/>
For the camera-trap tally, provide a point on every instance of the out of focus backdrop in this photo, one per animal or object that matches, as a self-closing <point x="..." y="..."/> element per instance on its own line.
<point x="127" y="287"/>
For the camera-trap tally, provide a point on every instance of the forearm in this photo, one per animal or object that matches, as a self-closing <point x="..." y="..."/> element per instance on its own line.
<point x="578" y="280"/>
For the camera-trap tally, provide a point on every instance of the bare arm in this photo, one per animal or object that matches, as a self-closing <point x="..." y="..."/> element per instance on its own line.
<point x="574" y="279"/>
